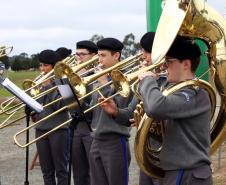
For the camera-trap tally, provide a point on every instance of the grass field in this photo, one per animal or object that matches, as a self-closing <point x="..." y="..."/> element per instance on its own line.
<point x="17" y="78"/>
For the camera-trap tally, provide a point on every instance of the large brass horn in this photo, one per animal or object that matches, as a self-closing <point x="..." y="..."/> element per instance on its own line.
<point x="146" y="154"/>
<point x="194" y="19"/>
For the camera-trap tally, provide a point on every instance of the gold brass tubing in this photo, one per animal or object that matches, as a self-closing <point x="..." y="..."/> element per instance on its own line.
<point x="82" y="65"/>
<point x="81" y="83"/>
<point x="10" y="100"/>
<point x="98" y="88"/>
<point x="40" y="137"/>
<point x="31" y="126"/>
<point x="38" y="80"/>
<point x="132" y="76"/>
<point x="21" y="103"/>
<point x="108" y="83"/>
<point x="2" y="125"/>
<point x="96" y="105"/>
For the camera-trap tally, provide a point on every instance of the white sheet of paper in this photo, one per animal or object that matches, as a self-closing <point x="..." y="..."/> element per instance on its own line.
<point x="11" y="87"/>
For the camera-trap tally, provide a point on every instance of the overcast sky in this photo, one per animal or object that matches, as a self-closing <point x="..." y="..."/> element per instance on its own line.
<point x="31" y="26"/>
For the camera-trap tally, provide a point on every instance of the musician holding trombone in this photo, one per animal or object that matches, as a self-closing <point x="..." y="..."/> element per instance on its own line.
<point x="82" y="139"/>
<point x="127" y="113"/>
<point x="186" y="113"/>
<point x="63" y="52"/>
<point x="52" y="149"/>
<point x="109" y="153"/>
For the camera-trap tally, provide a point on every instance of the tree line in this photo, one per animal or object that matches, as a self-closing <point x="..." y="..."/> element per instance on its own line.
<point x="25" y="62"/>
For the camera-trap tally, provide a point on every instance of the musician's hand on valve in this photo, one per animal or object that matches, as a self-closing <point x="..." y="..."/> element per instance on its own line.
<point x="109" y="106"/>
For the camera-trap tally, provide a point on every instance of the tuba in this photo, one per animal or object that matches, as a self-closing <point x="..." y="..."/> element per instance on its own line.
<point x="193" y="19"/>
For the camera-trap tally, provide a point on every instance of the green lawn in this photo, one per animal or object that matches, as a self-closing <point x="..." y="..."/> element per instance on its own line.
<point x="17" y="78"/>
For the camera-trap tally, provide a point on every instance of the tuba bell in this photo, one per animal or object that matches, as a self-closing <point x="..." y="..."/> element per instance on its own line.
<point x="196" y="20"/>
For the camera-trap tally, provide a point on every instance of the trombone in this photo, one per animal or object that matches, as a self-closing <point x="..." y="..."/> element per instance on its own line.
<point x="63" y="70"/>
<point x="81" y="83"/>
<point x="21" y="105"/>
<point x="122" y="82"/>
<point x="32" y="87"/>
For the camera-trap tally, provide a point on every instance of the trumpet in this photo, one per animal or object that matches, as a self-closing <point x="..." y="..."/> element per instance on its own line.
<point x="84" y="81"/>
<point x="5" y="50"/>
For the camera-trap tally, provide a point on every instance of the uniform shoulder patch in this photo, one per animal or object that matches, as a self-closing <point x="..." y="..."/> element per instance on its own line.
<point x="186" y="96"/>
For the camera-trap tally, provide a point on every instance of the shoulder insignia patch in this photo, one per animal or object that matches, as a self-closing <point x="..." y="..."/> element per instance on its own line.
<point x="186" y="96"/>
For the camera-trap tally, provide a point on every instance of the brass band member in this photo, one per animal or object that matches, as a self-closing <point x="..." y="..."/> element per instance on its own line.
<point x="126" y="113"/>
<point x="146" y="43"/>
<point x="109" y="153"/>
<point x="82" y="139"/>
<point x="53" y="149"/>
<point x="185" y="153"/>
<point x="63" y="52"/>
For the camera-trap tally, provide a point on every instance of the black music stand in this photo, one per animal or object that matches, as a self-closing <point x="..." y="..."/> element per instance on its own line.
<point x="28" y="113"/>
<point x="31" y="104"/>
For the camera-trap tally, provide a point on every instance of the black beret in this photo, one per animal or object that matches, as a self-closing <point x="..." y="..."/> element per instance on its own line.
<point x="184" y="48"/>
<point x="86" y="44"/>
<point x="146" y="41"/>
<point x="111" y="44"/>
<point x="49" y="57"/>
<point x="63" y="52"/>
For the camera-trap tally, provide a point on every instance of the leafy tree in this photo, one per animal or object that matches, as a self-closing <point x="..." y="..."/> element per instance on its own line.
<point x="34" y="61"/>
<point x="21" y="62"/>
<point x="95" y="38"/>
<point x="5" y="60"/>
<point x="130" y="46"/>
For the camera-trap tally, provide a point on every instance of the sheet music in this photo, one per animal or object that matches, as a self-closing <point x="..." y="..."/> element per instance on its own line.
<point x="11" y="87"/>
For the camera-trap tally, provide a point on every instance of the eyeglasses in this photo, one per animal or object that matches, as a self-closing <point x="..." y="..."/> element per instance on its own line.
<point x="168" y="61"/>
<point x="82" y="54"/>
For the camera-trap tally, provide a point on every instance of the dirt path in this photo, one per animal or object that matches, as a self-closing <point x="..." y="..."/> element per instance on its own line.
<point x="12" y="162"/>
